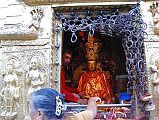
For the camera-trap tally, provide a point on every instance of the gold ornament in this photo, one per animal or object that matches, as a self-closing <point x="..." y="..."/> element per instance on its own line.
<point x="92" y="48"/>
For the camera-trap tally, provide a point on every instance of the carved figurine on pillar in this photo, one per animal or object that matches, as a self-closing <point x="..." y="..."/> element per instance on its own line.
<point x="155" y="70"/>
<point x="37" y="15"/>
<point x="93" y="82"/>
<point x="155" y="14"/>
<point x="35" y="77"/>
<point x="154" y="75"/>
<point x="10" y="91"/>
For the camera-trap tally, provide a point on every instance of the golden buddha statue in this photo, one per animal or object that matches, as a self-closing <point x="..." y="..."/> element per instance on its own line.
<point x="93" y="82"/>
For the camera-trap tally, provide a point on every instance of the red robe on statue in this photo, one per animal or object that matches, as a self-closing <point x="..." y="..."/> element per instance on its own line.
<point x="93" y="84"/>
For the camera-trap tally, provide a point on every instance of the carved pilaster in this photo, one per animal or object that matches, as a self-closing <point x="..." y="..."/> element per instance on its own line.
<point x="56" y="47"/>
<point x="52" y="53"/>
<point x="152" y="53"/>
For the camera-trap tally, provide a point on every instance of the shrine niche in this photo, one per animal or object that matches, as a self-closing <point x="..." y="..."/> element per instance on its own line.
<point x="120" y="31"/>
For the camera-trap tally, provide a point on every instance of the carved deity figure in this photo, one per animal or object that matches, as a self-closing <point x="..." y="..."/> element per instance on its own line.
<point x="10" y="92"/>
<point x="155" y="13"/>
<point x="37" y="15"/>
<point x="35" y="76"/>
<point x="93" y="82"/>
<point x="155" y="85"/>
<point x="155" y="75"/>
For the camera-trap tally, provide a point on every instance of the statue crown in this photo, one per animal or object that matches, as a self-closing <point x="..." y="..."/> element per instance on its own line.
<point x="92" y="48"/>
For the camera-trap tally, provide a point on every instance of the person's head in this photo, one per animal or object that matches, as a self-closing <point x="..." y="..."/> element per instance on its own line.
<point x="46" y="104"/>
<point x="91" y="65"/>
<point x="66" y="58"/>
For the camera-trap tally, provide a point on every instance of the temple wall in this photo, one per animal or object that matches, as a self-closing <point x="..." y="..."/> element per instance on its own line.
<point x="151" y="52"/>
<point x="24" y="36"/>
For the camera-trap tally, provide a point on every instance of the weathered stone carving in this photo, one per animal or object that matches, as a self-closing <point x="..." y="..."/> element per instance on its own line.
<point x="154" y="84"/>
<point x="35" y="77"/>
<point x="155" y="75"/>
<point x="155" y="14"/>
<point x="10" y="92"/>
<point x="22" y="31"/>
<point x="37" y="15"/>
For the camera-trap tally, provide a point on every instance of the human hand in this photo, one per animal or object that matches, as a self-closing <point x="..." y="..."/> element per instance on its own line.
<point x="82" y="93"/>
<point x="108" y="101"/>
<point x="92" y="105"/>
<point x="76" y="95"/>
<point x="82" y="101"/>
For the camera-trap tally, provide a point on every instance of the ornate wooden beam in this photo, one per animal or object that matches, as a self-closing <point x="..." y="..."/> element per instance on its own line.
<point x="47" y="2"/>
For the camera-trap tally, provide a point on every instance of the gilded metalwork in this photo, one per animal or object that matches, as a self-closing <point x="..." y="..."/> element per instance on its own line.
<point x="93" y="82"/>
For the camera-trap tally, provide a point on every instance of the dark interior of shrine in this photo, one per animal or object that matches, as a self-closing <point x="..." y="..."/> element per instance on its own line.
<point x="111" y="58"/>
<point x="121" y="57"/>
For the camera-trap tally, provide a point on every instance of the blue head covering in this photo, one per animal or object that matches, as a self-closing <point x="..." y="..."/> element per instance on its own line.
<point x="49" y="101"/>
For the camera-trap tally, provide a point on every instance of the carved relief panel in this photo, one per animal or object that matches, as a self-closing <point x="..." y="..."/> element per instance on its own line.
<point x="12" y="87"/>
<point x="23" y="72"/>
<point x="154" y="8"/>
<point x="152" y="59"/>
<point x="24" y="23"/>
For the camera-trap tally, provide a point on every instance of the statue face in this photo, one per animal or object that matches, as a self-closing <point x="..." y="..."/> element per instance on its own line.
<point x="34" y="63"/>
<point x="10" y="68"/>
<point x="91" y="65"/>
